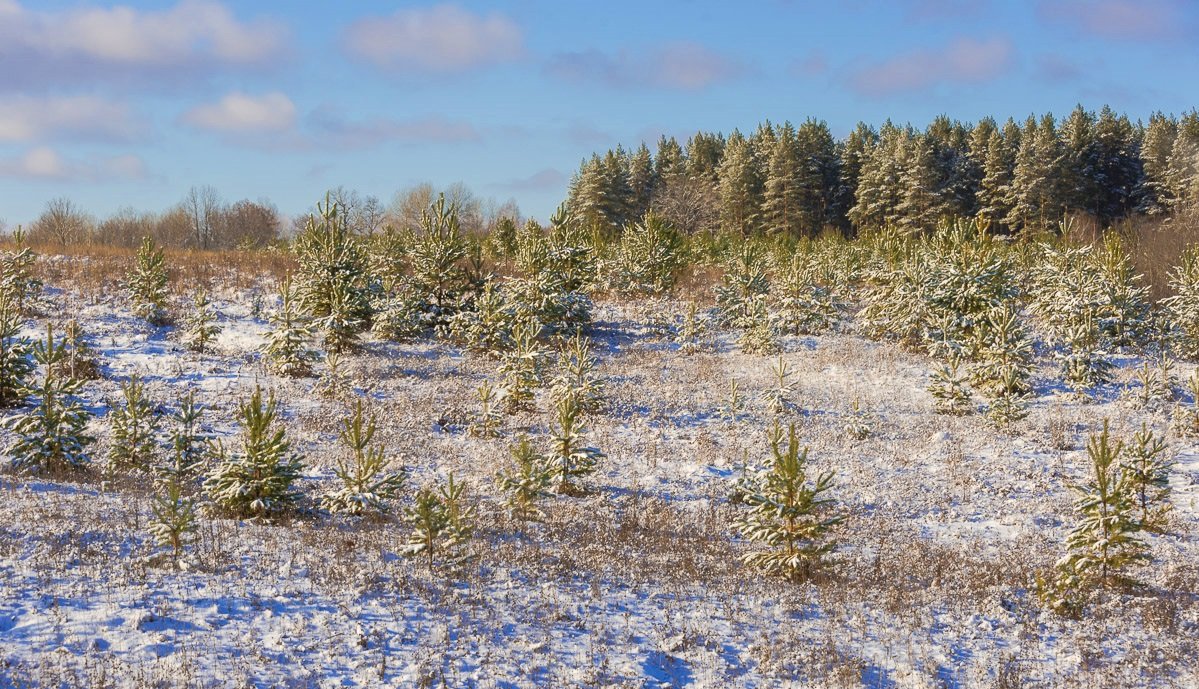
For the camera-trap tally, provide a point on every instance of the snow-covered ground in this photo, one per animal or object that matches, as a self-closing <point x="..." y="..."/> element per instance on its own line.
<point x="635" y="584"/>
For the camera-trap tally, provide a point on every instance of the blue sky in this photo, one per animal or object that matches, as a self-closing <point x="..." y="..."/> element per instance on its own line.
<point x="131" y="104"/>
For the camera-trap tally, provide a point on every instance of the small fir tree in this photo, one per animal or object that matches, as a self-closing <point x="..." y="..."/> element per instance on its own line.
<point x="442" y="523"/>
<point x="1147" y="464"/>
<point x="135" y="427"/>
<point x="80" y="362"/>
<point x="577" y="377"/>
<point x="16" y="362"/>
<point x="188" y="449"/>
<point x="52" y="436"/>
<point x="521" y="368"/>
<point x="692" y="334"/>
<point x="258" y="479"/>
<point x="174" y="510"/>
<point x="949" y="388"/>
<point x="147" y="284"/>
<point x="487" y="422"/>
<point x="778" y="397"/>
<point x="367" y="485"/>
<point x="528" y="482"/>
<point x="286" y="349"/>
<point x="787" y="514"/>
<point x="569" y="456"/>
<point x="200" y="326"/>
<point x="734" y="404"/>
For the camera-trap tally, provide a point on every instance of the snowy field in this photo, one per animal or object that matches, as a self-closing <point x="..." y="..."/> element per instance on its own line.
<point x="636" y="584"/>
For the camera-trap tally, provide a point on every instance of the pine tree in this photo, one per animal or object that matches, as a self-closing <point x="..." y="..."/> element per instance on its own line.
<point x="367" y="485"/>
<point x="174" y="520"/>
<point x="1105" y="542"/>
<point x="1036" y="201"/>
<point x="521" y="368"/>
<point x="648" y="257"/>
<point x="258" y="479"/>
<point x="147" y="284"/>
<point x="577" y="377"/>
<point x="778" y="397"/>
<point x="436" y="255"/>
<point x="1183" y="307"/>
<point x="188" y="449"/>
<point x="642" y="181"/>
<point x="80" y="361"/>
<point x="743" y="285"/>
<point x="1156" y="147"/>
<point x="735" y="403"/>
<point x="921" y="182"/>
<point x="286" y="348"/>
<point x="333" y="282"/>
<point x="200" y="325"/>
<point x="135" y="428"/>
<point x="995" y="188"/>
<point x="691" y="336"/>
<point x="1086" y="365"/>
<point x="1148" y="466"/>
<point x="787" y="514"/>
<point x="858" y="425"/>
<point x="52" y="436"/>
<point x="442" y="523"/>
<point x="781" y="213"/>
<point x="950" y="389"/>
<point x="739" y="186"/>
<point x="528" y="482"/>
<point x="16" y="364"/>
<point x="18" y="283"/>
<point x="489" y="419"/>
<point x="758" y="334"/>
<point x="569" y="457"/>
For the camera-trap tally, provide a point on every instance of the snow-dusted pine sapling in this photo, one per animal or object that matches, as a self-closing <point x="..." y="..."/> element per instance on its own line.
<point x="734" y="404"/>
<point x="52" y="436"/>
<point x="521" y="368"/>
<point x="334" y="275"/>
<point x="577" y="377"/>
<point x="334" y="383"/>
<point x="529" y="482"/>
<point x="1087" y="365"/>
<point x="744" y="285"/>
<point x="442" y="523"/>
<point x="1105" y="542"/>
<point x="187" y="447"/>
<point x="1157" y="381"/>
<point x="803" y="305"/>
<point x="258" y="477"/>
<point x="1183" y="307"/>
<point x="778" y="397"/>
<point x="648" y="257"/>
<point x="18" y="283"/>
<point x="789" y="515"/>
<point x="1185" y="418"/>
<point x="1004" y="354"/>
<point x="1147" y="464"/>
<point x="859" y="422"/>
<point x="692" y="332"/>
<point x="16" y="362"/>
<point x="949" y="387"/>
<point x="80" y="361"/>
<point x="487" y="422"/>
<point x="570" y="457"/>
<point x="174" y="520"/>
<point x="487" y="328"/>
<point x="367" y="485"/>
<point x="135" y="426"/>
<point x="758" y="335"/>
<point x="1008" y="406"/>
<point x="200" y="326"/>
<point x="147" y="284"/>
<point x="286" y="349"/>
<point x="436" y="254"/>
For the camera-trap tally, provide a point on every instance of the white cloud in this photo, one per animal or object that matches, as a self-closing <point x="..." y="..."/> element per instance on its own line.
<point x="961" y="61"/>
<point x="240" y="113"/>
<point x="28" y="118"/>
<point x="684" y="65"/>
<point x="441" y="38"/>
<point x="46" y="164"/>
<point x="123" y="43"/>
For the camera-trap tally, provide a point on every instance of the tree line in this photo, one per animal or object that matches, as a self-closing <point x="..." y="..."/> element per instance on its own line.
<point x="801" y="180"/>
<point x="203" y="220"/>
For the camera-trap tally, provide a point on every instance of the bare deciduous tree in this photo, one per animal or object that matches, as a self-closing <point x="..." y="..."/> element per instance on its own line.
<point x="691" y="205"/>
<point x="203" y="208"/>
<point x="61" y="222"/>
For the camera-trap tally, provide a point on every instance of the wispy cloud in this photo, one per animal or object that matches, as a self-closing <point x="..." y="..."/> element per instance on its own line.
<point x="1056" y="68"/>
<point x="543" y="180"/>
<point x="241" y="113"/>
<point x="683" y="66"/>
<point x="439" y="39"/>
<point x="1131" y="20"/>
<point x="46" y="164"/>
<point x="27" y="119"/>
<point x="331" y="126"/>
<point x="962" y="61"/>
<point x="122" y="44"/>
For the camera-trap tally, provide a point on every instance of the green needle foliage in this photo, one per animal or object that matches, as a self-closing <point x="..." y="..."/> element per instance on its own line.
<point x="16" y="362"/>
<point x="200" y="326"/>
<point x="135" y="426"/>
<point x="147" y="284"/>
<point x="787" y="514"/>
<point x="286" y="349"/>
<point x="442" y="524"/>
<point x="529" y="482"/>
<point x="367" y="485"/>
<point x="569" y="456"/>
<point x="51" y="436"/>
<point x="258" y="479"/>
